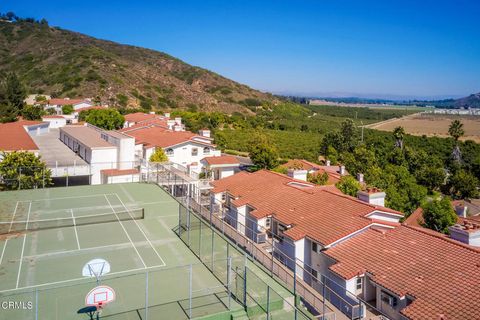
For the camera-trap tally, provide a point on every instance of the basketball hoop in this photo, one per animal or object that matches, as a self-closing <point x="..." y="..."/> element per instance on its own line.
<point x="98" y="298"/>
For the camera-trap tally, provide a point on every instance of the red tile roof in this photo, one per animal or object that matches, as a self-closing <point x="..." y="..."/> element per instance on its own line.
<point x="63" y="102"/>
<point x="89" y="108"/>
<point x="320" y="212"/>
<point x="118" y="172"/>
<point x="155" y="122"/>
<point x="14" y="137"/>
<point x="221" y="160"/>
<point x="332" y="171"/>
<point x="139" y="116"/>
<point x="440" y="274"/>
<point x="159" y="137"/>
<point x="53" y="117"/>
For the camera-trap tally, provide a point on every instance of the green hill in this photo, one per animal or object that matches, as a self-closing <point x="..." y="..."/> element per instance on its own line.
<point x="65" y="63"/>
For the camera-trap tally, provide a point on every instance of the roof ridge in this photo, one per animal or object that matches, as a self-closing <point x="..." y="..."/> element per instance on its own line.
<point x="440" y="236"/>
<point x="360" y="201"/>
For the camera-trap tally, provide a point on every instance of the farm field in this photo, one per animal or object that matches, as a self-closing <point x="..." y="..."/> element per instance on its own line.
<point x="432" y="125"/>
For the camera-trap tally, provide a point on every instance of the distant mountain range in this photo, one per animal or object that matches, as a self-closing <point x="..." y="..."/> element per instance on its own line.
<point x="63" y="63"/>
<point x="472" y="101"/>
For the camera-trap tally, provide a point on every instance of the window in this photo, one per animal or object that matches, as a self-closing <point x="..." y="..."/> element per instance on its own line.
<point x="314" y="275"/>
<point x="388" y="299"/>
<point x="359" y="284"/>
<point x="268" y="223"/>
<point x="314" y="247"/>
<point x="206" y="150"/>
<point x="224" y="196"/>
<point x="195" y="152"/>
<point x="169" y="152"/>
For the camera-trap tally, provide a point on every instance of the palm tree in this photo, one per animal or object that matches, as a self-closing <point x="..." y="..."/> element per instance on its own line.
<point x="398" y="133"/>
<point x="456" y="131"/>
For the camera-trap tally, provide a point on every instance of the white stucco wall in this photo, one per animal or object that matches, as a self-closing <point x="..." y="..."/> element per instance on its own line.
<point x="384" y="216"/>
<point x="55" y="122"/>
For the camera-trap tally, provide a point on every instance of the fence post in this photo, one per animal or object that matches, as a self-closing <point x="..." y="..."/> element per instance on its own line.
<point x="268" y="303"/>
<point x="200" y="240"/>
<point x="19" y="178"/>
<point x="213" y="250"/>
<point x="190" y="293"/>
<point x="36" y="304"/>
<point x="295" y="287"/>
<point x="273" y="253"/>
<point x="245" y="286"/>
<point x="188" y="226"/>
<point x="229" y="276"/>
<point x="323" y="294"/>
<point x="146" y="296"/>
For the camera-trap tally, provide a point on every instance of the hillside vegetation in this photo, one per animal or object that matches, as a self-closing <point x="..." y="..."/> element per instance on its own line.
<point x="69" y="64"/>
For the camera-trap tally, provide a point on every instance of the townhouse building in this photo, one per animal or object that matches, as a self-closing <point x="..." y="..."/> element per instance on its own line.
<point x="355" y="251"/>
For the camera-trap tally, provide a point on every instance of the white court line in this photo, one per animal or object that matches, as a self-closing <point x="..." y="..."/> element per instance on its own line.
<point x="75" y="228"/>
<point x="73" y="197"/>
<point x="23" y="246"/>
<point x="77" y="279"/>
<point x="55" y="253"/>
<point x="128" y="236"/>
<point x="9" y="229"/>
<point x="141" y="230"/>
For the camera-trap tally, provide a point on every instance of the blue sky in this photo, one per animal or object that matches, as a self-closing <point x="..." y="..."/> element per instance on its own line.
<point x="378" y="48"/>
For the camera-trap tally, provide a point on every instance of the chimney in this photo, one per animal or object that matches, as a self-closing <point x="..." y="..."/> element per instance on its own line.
<point x="342" y="170"/>
<point x="297" y="174"/>
<point x="372" y="196"/>
<point x="327" y="163"/>
<point x="204" y="133"/>
<point x="467" y="232"/>
<point x="360" y="177"/>
<point x="177" y="127"/>
<point x="461" y="210"/>
<point x="167" y="114"/>
<point x="170" y="124"/>
<point x="152" y="112"/>
<point x="178" y="120"/>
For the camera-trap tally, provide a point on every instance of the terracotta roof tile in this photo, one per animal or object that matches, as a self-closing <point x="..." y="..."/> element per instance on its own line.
<point x="139" y="116"/>
<point x="63" y="102"/>
<point x="160" y="137"/>
<point x="89" y="108"/>
<point x="441" y="274"/>
<point x="319" y="212"/>
<point x="221" y="160"/>
<point x="14" y="137"/>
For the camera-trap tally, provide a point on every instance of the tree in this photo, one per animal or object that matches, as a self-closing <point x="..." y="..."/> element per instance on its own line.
<point x="398" y="133"/>
<point x="349" y="134"/>
<point x="108" y="119"/>
<point x="349" y="185"/>
<point x="23" y="170"/>
<point x="319" y="178"/>
<point x="15" y="92"/>
<point x="32" y="113"/>
<point x="438" y="215"/>
<point x="12" y="94"/>
<point x="456" y="131"/>
<point x="262" y="153"/>
<point x="464" y="185"/>
<point x="67" y="109"/>
<point x="158" y="156"/>
<point x="220" y="139"/>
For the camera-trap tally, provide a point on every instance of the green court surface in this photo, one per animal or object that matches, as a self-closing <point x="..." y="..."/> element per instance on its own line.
<point x="41" y="269"/>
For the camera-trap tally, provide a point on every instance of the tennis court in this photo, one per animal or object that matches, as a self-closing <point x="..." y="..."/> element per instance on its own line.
<point x="47" y="237"/>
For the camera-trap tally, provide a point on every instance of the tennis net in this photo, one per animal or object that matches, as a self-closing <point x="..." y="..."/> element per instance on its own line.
<point x="32" y="225"/>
